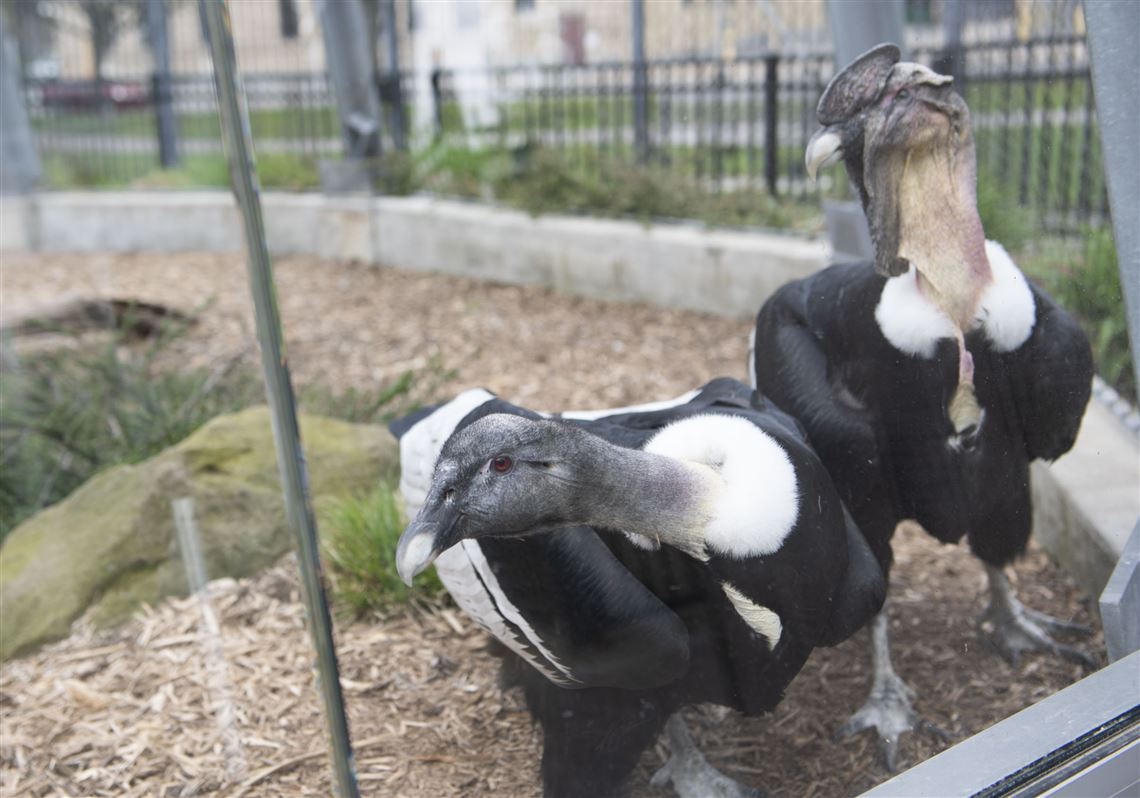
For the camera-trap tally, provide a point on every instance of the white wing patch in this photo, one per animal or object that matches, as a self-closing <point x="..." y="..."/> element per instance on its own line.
<point x="758" y="502"/>
<point x="649" y="407"/>
<point x="469" y="579"/>
<point x="759" y="618"/>
<point x="914" y="325"/>
<point x="463" y="569"/>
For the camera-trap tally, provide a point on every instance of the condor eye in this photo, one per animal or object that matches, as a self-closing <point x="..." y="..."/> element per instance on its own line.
<point x="902" y="95"/>
<point x="501" y="464"/>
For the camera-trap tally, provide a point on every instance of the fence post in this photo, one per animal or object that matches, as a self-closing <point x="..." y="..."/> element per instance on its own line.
<point x="161" y="84"/>
<point x="771" y="121"/>
<point x="640" y="83"/>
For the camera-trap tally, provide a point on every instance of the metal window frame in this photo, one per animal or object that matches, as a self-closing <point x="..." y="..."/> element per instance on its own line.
<point x="1048" y="748"/>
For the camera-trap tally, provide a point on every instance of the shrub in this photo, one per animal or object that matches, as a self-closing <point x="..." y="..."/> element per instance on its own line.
<point x="359" y="537"/>
<point x="1085" y="279"/>
<point x="1003" y="219"/>
<point x="67" y="414"/>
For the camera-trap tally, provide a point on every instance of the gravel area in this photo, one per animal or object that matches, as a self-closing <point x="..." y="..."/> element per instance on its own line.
<point x="136" y="712"/>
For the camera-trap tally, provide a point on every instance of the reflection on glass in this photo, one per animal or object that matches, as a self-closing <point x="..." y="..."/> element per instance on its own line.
<point x="129" y="383"/>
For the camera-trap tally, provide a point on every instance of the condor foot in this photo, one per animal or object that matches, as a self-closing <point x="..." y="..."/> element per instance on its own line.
<point x="1012" y="629"/>
<point x="890" y="712"/>
<point x="691" y="774"/>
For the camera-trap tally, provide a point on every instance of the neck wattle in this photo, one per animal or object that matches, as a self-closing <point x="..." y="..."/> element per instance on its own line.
<point x="941" y="232"/>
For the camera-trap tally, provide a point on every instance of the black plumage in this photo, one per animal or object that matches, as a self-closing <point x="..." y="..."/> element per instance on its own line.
<point x="929" y="379"/>
<point x="877" y="416"/>
<point x="632" y="635"/>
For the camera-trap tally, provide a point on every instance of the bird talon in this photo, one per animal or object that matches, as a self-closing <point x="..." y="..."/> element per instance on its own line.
<point x="936" y="730"/>
<point x="890" y="749"/>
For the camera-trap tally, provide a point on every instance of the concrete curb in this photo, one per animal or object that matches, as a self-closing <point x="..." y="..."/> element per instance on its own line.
<point x="1086" y="504"/>
<point x="722" y="272"/>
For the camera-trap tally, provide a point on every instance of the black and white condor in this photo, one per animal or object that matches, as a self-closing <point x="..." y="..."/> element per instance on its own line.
<point x="929" y="379"/>
<point x="639" y="560"/>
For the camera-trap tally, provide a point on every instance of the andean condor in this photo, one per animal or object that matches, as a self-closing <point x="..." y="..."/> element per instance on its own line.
<point x="636" y="561"/>
<point x="929" y="379"/>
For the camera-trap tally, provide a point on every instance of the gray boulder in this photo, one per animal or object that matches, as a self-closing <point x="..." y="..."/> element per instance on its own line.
<point x="111" y="545"/>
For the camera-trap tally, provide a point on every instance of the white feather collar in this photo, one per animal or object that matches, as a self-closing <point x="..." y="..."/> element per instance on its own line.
<point x="913" y="324"/>
<point x="758" y="503"/>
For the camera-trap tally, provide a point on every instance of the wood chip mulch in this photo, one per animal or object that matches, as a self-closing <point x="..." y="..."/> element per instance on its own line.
<point x="214" y="695"/>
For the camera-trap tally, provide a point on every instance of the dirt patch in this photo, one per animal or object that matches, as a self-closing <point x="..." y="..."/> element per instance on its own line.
<point x="137" y="712"/>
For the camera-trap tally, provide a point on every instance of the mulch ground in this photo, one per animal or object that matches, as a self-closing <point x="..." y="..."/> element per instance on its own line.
<point x="214" y="695"/>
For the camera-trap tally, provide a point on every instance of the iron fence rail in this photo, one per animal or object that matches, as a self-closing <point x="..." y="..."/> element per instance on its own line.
<point x="728" y="124"/>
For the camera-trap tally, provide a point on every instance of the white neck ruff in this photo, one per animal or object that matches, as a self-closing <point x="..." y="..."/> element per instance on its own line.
<point x="756" y="500"/>
<point x="914" y="325"/>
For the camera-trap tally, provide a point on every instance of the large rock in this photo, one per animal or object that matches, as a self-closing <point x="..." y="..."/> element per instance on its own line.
<point x="112" y="545"/>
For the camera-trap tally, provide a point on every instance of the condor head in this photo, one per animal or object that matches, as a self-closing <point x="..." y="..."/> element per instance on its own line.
<point x="884" y="118"/>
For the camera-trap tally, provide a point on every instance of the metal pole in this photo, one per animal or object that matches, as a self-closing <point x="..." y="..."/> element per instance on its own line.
<point x="1115" y="64"/>
<point x="858" y="25"/>
<point x="19" y="164"/>
<point x="951" y="61"/>
<point x="278" y="387"/>
<point x="350" y="65"/>
<point x="640" y="83"/>
<point x="163" y="94"/>
<point x="396" y="96"/>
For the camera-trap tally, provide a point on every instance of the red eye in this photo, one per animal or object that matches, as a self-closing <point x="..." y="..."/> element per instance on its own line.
<point x="501" y="464"/>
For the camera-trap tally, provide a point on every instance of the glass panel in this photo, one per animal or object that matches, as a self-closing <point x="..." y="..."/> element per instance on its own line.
<point x="131" y="383"/>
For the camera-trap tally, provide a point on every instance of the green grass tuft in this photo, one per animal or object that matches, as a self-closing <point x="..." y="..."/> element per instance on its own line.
<point x="359" y="540"/>
<point x="1084" y="278"/>
<point x="67" y="414"/>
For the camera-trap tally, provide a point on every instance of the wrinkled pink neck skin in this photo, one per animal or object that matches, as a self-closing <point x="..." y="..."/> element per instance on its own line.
<point x="940" y="231"/>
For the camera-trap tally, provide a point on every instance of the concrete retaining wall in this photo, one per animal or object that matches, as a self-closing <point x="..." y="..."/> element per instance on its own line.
<point x="683" y="266"/>
<point x="1086" y="503"/>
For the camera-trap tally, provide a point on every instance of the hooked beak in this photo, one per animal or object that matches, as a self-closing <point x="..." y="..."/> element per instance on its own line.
<point x="824" y="149"/>
<point x="423" y="541"/>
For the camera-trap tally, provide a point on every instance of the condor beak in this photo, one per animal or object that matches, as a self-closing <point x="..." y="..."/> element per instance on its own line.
<point x="432" y="532"/>
<point x="824" y="149"/>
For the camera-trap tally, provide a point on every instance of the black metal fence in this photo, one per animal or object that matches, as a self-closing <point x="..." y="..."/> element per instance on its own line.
<point x="727" y="125"/>
<point x="106" y="134"/>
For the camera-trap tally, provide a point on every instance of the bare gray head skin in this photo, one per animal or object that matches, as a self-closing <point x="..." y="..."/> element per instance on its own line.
<point x="905" y="138"/>
<point x="509" y="476"/>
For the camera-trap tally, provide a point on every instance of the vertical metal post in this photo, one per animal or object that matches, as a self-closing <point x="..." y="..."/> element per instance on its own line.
<point x="951" y="61"/>
<point x="858" y="25"/>
<point x="1115" y="63"/>
<point x="396" y="115"/>
<point x="349" y="62"/>
<point x="163" y="94"/>
<point x="771" y="121"/>
<point x="278" y="387"/>
<point x="19" y="164"/>
<point x="640" y="83"/>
